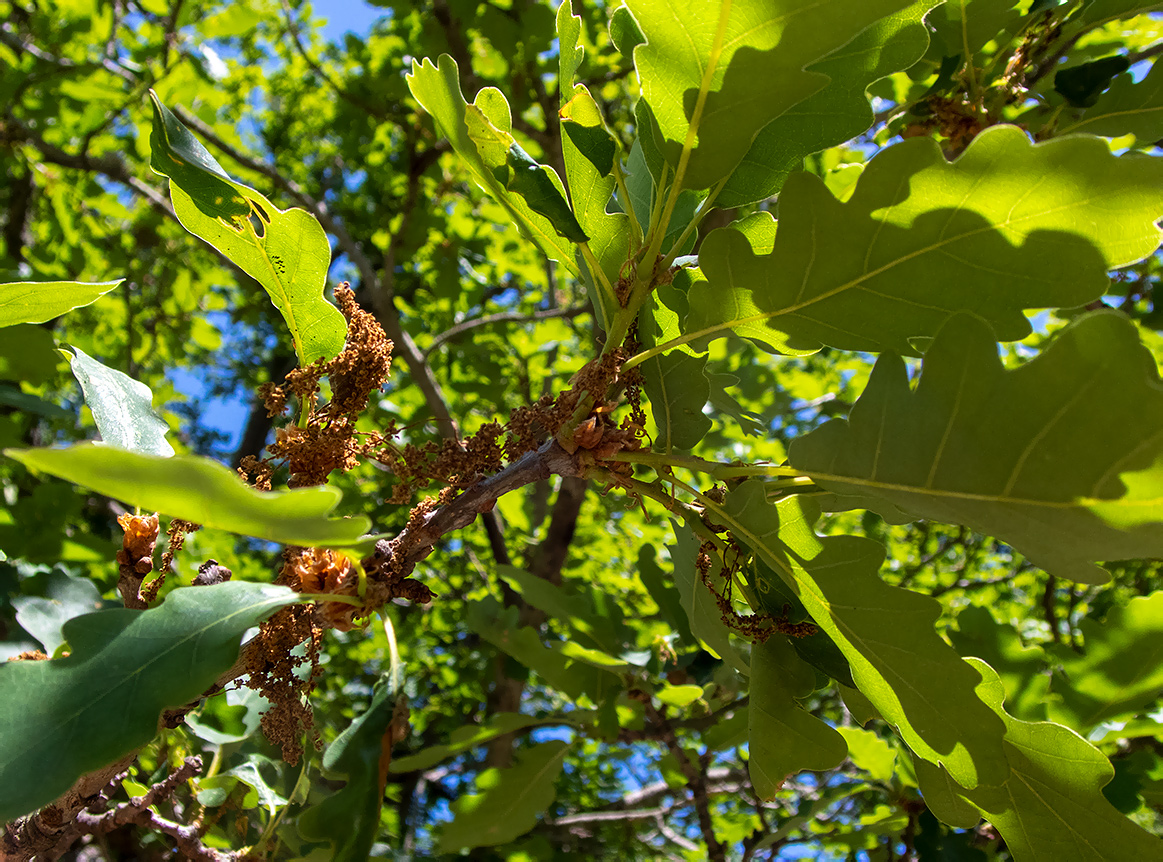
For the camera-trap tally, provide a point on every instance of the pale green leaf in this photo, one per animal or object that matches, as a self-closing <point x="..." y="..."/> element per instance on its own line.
<point x="869" y="752"/>
<point x="700" y="63"/>
<point x="783" y="737"/>
<point x="1071" y="476"/>
<point x="437" y="89"/>
<point x="285" y="251"/>
<point x="1120" y="670"/>
<point x="836" y="113"/>
<point x="1008" y="226"/>
<point x="64" y="597"/>
<point x="38" y="302"/>
<point x="350" y="818"/>
<point x="1051" y="808"/>
<point x="679" y="695"/>
<point x="202" y="491"/>
<point x="122" y="407"/>
<point x="1126" y="108"/>
<point x="966" y="25"/>
<point x="678" y="391"/>
<point x="913" y="678"/>
<point x="469" y="737"/>
<point x="510" y="800"/>
<point x="570" y="53"/>
<point x="69" y="716"/>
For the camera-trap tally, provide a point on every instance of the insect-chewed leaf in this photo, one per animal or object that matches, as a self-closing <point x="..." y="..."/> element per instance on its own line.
<point x="201" y="491"/>
<point x="122" y="407"/>
<point x="285" y="251"/>
<point x="40" y="301"/>
<point x="1008" y="226"/>
<point x="701" y="61"/>
<point x="65" y="717"/>
<point x="1051" y="808"/>
<point x="1061" y="457"/>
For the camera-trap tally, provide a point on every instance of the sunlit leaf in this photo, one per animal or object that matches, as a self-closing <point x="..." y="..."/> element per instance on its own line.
<point x="1074" y="474"/>
<point x="285" y="251"/>
<point x="701" y="61"/>
<point x="122" y="407"/>
<point x="510" y="800"/>
<point x="1008" y="226"/>
<point x="38" y="302"/>
<point x="468" y="737"/>
<point x="201" y="491"/>
<point x="1051" y="808"/>
<point x="68" y="716"/>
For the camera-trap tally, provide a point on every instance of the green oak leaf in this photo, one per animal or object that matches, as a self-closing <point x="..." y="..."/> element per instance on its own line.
<point x="573" y="607"/>
<point x="678" y="390"/>
<point x="437" y="89"/>
<point x="350" y="818"/>
<point x="1072" y="475"/>
<point x="64" y="597"/>
<point x="41" y="301"/>
<point x="1126" y="108"/>
<point x="913" y="678"/>
<point x="286" y="251"/>
<point x="1120" y="670"/>
<point x="570" y="53"/>
<point x="835" y="114"/>
<point x="869" y="752"/>
<point x="704" y="618"/>
<point x="69" y="716"/>
<point x="510" y="800"/>
<point x="1051" y="808"/>
<point x="664" y="593"/>
<point x="202" y="491"/>
<point x="469" y="737"/>
<point x="1022" y="668"/>
<point x="700" y="63"/>
<point x="122" y="407"/>
<point x="1008" y="226"/>
<point x="966" y="25"/>
<point x="1097" y="11"/>
<point x="784" y="738"/>
<point x="1082" y="85"/>
<point x="28" y="353"/>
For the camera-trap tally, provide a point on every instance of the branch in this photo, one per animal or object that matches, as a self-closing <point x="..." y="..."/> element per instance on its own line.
<point x="502" y="317"/>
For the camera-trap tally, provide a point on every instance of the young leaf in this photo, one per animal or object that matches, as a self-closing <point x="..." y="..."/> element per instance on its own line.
<point x="69" y="716"/>
<point x="1126" y="108"/>
<point x="511" y="800"/>
<point x="350" y="818"/>
<point x="784" y="738"/>
<point x="122" y="407"/>
<point x="923" y="238"/>
<point x="678" y="391"/>
<point x="38" y="302"/>
<point x="838" y="112"/>
<point x="869" y="752"/>
<point x="1121" y="670"/>
<point x="437" y="89"/>
<point x="700" y="63"/>
<point x="285" y="251"/>
<point x="1051" y="808"/>
<point x="202" y="491"/>
<point x="1073" y="475"/>
<point x="914" y="679"/>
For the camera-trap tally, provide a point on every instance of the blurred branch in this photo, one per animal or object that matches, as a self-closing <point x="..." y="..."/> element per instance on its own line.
<point x="502" y="317"/>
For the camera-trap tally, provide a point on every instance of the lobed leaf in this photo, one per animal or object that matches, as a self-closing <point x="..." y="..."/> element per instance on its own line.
<point x="1022" y="669"/>
<point x="1073" y="476"/>
<point x="512" y="800"/>
<point x="69" y="716"/>
<point x="286" y="251"/>
<point x="913" y="678"/>
<point x="202" y="491"/>
<point x="39" y="302"/>
<point x="678" y="391"/>
<point x="784" y="738"/>
<point x="122" y="407"/>
<point x="1126" y="108"/>
<point x="1008" y="226"/>
<point x="1051" y="808"/>
<point x="700" y="63"/>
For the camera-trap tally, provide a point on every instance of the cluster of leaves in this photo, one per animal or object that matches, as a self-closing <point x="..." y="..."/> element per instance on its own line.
<point x="872" y="569"/>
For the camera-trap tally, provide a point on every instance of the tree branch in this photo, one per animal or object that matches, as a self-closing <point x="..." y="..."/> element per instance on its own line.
<point x="502" y="317"/>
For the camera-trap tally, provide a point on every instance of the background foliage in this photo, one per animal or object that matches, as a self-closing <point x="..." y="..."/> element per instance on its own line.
<point x="881" y="582"/>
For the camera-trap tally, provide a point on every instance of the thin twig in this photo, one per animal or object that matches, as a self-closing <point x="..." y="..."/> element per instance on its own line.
<point x="502" y="317"/>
